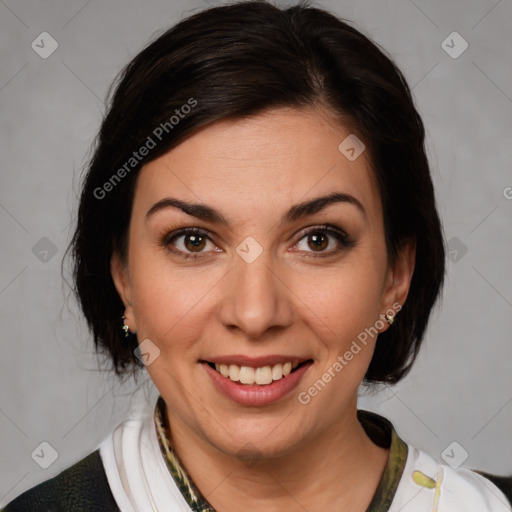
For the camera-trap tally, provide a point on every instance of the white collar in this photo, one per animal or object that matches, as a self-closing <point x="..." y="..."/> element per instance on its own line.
<point x="136" y="471"/>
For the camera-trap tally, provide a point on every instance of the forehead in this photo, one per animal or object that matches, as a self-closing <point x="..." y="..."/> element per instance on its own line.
<point x="281" y="156"/>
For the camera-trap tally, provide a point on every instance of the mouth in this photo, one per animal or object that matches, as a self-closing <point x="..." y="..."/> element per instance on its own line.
<point x="256" y="382"/>
<point x="257" y="376"/>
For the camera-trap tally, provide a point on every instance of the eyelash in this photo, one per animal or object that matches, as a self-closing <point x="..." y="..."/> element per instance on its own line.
<point x="343" y="239"/>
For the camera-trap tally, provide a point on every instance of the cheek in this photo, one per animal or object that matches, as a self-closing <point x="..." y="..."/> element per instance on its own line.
<point x="344" y="301"/>
<point x="167" y="301"/>
<point x="342" y="311"/>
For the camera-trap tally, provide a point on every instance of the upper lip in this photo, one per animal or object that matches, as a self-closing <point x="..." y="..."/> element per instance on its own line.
<point x="256" y="362"/>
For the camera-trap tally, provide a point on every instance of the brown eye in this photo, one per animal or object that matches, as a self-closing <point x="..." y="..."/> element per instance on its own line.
<point x="189" y="243"/>
<point x="324" y="240"/>
<point x="317" y="241"/>
<point x="194" y="243"/>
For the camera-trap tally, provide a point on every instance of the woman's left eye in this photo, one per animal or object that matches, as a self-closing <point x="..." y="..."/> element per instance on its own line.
<point x="324" y="241"/>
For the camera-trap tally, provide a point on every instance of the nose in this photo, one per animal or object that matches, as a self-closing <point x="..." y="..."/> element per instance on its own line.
<point x="255" y="298"/>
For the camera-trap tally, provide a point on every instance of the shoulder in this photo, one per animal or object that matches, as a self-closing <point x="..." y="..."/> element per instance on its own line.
<point x="471" y="487"/>
<point x="413" y="481"/>
<point x="504" y="483"/>
<point x="428" y="485"/>
<point x="81" y="487"/>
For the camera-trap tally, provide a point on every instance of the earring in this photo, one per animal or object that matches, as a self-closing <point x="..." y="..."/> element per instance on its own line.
<point x="390" y="318"/>
<point x="125" y="328"/>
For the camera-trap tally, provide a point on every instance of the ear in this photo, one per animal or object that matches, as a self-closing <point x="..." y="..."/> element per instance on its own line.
<point x="399" y="277"/>
<point x="121" y="278"/>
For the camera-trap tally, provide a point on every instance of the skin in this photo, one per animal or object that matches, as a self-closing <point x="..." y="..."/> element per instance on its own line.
<point x="317" y="456"/>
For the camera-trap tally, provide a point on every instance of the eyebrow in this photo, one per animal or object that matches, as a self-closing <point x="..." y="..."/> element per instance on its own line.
<point x="296" y="212"/>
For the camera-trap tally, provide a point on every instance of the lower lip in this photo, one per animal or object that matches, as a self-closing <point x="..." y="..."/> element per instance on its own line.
<point x="254" y="395"/>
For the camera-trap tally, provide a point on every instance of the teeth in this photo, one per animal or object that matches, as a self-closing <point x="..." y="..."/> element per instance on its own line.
<point x="277" y="372"/>
<point x="263" y="376"/>
<point x="234" y="372"/>
<point x="224" y="369"/>
<point x="259" y="376"/>
<point x="247" y="375"/>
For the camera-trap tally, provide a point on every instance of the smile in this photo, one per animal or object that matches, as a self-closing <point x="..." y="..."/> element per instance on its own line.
<point x="256" y="382"/>
<point x="261" y="376"/>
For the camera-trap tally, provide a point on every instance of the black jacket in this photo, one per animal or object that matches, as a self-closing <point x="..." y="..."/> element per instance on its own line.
<point x="80" y="488"/>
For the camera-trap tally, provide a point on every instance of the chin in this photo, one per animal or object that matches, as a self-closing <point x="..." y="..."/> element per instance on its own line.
<point x="258" y="438"/>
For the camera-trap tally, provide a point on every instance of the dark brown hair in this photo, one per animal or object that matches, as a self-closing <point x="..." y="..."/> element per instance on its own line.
<point x="235" y="61"/>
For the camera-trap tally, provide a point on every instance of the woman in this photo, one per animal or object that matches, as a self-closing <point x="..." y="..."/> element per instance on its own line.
<point x="258" y="229"/>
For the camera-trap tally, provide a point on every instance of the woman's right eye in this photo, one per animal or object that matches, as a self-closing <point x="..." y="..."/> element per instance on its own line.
<point x="188" y="243"/>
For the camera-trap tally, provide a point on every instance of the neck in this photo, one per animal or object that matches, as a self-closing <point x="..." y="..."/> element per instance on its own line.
<point x="340" y="468"/>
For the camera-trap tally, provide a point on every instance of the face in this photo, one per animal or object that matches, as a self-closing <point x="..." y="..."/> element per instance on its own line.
<point x="258" y="298"/>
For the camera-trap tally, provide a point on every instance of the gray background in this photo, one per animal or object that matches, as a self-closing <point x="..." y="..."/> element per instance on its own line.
<point x="51" y="389"/>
